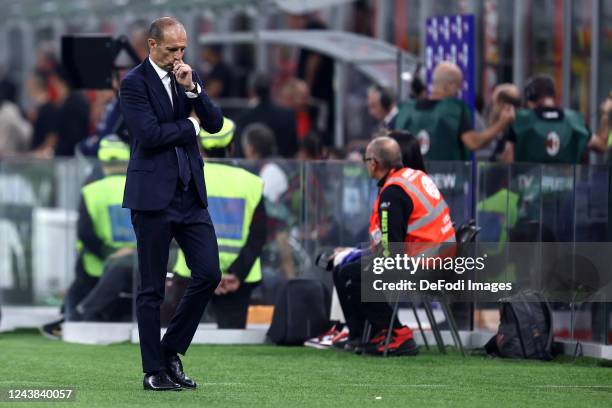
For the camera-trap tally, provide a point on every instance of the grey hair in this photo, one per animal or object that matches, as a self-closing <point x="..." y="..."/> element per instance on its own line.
<point x="387" y="152"/>
<point x="157" y="27"/>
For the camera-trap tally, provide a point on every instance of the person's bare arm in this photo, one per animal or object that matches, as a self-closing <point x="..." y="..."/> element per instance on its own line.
<point x="507" y="156"/>
<point x="474" y="140"/>
<point x="599" y="141"/>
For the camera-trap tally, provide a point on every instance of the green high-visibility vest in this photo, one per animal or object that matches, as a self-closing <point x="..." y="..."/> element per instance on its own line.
<point x="540" y="140"/>
<point x="233" y="195"/>
<point x="436" y="129"/>
<point x="112" y="224"/>
<point x="504" y="203"/>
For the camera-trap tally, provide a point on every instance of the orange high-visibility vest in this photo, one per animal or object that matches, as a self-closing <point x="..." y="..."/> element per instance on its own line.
<point x="429" y="224"/>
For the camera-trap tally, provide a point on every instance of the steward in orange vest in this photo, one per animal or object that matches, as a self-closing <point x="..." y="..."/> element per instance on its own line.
<point x="410" y="209"/>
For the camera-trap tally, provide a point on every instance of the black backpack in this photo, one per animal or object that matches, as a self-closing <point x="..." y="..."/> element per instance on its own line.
<point x="525" y="329"/>
<point x="301" y="312"/>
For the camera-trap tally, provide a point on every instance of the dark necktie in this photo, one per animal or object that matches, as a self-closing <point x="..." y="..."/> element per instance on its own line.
<point x="181" y="154"/>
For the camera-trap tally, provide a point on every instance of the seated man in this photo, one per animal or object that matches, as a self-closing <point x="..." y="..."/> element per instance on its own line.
<point x="409" y="209"/>
<point x="104" y="230"/>
<point x="239" y="216"/>
<point x="103" y="302"/>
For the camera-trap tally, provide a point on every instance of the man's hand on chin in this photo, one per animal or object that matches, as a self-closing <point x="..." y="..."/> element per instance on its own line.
<point x="183" y="75"/>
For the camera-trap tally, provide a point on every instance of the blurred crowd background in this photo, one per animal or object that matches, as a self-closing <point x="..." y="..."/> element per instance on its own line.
<point x="569" y="40"/>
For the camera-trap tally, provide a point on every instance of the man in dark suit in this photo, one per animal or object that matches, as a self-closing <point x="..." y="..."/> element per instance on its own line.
<point x="280" y="120"/>
<point x="382" y="106"/>
<point x="165" y="191"/>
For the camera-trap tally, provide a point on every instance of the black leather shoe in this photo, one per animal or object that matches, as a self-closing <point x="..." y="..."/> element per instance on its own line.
<point x="175" y="371"/>
<point x="160" y="382"/>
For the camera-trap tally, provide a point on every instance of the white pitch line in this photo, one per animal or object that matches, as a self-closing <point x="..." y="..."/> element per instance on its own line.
<point x="228" y="383"/>
<point x="342" y="385"/>
<point x="236" y="384"/>
<point x="570" y="386"/>
<point x="396" y="385"/>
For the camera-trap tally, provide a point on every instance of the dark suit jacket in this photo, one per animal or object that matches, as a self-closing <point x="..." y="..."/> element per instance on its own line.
<point x="280" y="120"/>
<point x="154" y="130"/>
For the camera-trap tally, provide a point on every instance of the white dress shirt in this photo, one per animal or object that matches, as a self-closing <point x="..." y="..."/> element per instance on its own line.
<point x="167" y="82"/>
<point x="392" y="113"/>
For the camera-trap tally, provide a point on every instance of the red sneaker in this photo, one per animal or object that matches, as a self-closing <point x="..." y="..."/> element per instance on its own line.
<point x="339" y="336"/>
<point x="401" y="344"/>
<point x="325" y="340"/>
<point x="381" y="336"/>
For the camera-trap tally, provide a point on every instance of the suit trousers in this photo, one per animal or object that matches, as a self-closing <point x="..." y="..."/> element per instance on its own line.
<point x="186" y="221"/>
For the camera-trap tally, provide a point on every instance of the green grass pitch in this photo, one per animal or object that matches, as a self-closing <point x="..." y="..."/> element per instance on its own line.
<point x="270" y="376"/>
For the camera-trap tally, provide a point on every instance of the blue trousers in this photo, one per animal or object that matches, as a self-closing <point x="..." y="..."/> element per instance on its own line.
<point x="186" y="221"/>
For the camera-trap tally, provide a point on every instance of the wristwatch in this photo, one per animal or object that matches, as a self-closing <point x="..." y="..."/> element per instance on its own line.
<point x="195" y="88"/>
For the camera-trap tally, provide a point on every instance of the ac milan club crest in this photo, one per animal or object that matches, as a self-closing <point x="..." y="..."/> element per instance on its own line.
<point x="553" y="143"/>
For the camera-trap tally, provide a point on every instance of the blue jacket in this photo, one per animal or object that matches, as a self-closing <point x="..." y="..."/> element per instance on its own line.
<point x="154" y="131"/>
